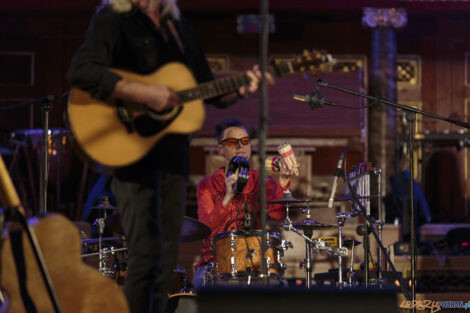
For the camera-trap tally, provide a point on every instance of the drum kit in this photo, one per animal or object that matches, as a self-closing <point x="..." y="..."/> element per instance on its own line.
<point x="238" y="253"/>
<point x="111" y="252"/>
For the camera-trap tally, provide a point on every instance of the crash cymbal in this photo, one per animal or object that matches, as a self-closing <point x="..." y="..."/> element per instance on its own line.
<point x="104" y="206"/>
<point x="192" y="230"/>
<point x="288" y="201"/>
<point x="312" y="224"/>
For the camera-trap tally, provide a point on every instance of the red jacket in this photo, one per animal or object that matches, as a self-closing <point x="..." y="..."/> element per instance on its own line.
<point x="210" y="194"/>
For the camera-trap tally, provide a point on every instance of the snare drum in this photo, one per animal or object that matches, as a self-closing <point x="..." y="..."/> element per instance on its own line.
<point x="238" y="254"/>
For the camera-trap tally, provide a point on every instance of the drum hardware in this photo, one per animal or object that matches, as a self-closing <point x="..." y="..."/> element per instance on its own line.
<point x="100" y="224"/>
<point x="315" y="245"/>
<point x="183" y="279"/>
<point x="351" y="243"/>
<point x="105" y="251"/>
<point x="341" y="219"/>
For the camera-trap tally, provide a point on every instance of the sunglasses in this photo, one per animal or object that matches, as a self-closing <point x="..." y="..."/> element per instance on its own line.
<point x="233" y="142"/>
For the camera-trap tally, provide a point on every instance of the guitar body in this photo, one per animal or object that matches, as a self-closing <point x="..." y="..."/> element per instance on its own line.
<point x="79" y="287"/>
<point x="106" y="140"/>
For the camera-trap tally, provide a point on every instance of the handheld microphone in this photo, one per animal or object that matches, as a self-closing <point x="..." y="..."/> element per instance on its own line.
<point x="315" y="100"/>
<point x="233" y="166"/>
<point x="338" y="173"/>
<point x="243" y="165"/>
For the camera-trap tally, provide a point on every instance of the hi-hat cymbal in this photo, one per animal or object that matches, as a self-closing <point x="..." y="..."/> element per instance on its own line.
<point x="288" y="200"/>
<point x="192" y="230"/>
<point x="312" y="224"/>
<point x="104" y="206"/>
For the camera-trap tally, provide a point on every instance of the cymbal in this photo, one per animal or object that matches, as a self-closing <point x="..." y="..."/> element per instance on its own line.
<point x="312" y="224"/>
<point x="349" y="198"/>
<point x="104" y="206"/>
<point x="303" y="206"/>
<point x="192" y="230"/>
<point x="287" y="201"/>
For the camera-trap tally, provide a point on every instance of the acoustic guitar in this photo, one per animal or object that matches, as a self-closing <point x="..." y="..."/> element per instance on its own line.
<point x="118" y="133"/>
<point x="77" y="287"/>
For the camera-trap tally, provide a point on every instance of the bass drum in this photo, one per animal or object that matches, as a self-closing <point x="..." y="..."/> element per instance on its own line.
<point x="182" y="303"/>
<point x="238" y="254"/>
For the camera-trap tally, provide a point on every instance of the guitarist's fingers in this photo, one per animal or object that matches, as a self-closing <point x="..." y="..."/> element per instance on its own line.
<point x="255" y="77"/>
<point x="269" y="77"/>
<point x="162" y="98"/>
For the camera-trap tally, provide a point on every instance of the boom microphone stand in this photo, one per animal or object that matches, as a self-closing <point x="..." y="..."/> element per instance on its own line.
<point x="411" y="118"/>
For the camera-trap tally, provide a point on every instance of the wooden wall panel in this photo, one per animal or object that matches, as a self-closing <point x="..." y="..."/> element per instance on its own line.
<point x="436" y="32"/>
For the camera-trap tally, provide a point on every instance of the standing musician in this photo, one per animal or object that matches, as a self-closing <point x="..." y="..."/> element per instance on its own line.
<point x="219" y="207"/>
<point x="141" y="36"/>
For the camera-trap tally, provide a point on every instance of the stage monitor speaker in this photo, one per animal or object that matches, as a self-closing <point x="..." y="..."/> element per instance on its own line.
<point x="286" y="300"/>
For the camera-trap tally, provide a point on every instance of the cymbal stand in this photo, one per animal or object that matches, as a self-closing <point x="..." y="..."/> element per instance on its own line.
<point x="351" y="272"/>
<point x="380" y="223"/>
<point x="341" y="220"/>
<point x="307" y="262"/>
<point x="102" y="258"/>
<point x="315" y="245"/>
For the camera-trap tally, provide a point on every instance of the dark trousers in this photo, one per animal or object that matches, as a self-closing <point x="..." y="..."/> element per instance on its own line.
<point x="152" y="215"/>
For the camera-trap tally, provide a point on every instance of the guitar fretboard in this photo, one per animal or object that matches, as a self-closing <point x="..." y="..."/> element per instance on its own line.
<point x="227" y="85"/>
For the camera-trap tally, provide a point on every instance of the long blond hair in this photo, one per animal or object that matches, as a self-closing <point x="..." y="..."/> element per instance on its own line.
<point x="166" y="7"/>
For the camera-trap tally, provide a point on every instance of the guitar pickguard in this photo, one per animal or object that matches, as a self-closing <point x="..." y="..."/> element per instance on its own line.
<point x="146" y="126"/>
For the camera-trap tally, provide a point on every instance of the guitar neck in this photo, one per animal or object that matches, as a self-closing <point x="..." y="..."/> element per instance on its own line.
<point x="228" y="84"/>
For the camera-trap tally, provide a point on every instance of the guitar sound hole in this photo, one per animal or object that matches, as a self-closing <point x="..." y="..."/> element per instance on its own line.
<point x="146" y="126"/>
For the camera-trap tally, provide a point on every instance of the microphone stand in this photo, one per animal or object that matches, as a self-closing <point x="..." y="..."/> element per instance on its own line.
<point x="46" y="106"/>
<point x="262" y="131"/>
<point x="411" y="118"/>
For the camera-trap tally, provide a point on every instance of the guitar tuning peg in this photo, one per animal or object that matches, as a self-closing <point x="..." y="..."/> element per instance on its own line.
<point x="305" y="52"/>
<point x="302" y="69"/>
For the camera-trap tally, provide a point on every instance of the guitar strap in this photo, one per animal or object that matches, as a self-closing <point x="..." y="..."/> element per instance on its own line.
<point x="16" y="240"/>
<point x="176" y="35"/>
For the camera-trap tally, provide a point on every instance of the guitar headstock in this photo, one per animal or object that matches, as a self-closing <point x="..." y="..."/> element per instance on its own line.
<point x="315" y="61"/>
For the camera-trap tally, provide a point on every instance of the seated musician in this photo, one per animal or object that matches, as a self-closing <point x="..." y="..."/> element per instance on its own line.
<point x="218" y="205"/>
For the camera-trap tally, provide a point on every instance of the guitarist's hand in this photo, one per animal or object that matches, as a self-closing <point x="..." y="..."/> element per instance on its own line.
<point x="156" y="97"/>
<point x="255" y="78"/>
<point x="161" y="98"/>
